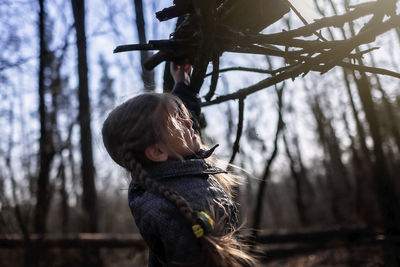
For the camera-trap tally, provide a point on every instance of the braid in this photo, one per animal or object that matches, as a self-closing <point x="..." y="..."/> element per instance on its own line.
<point x="223" y="251"/>
<point x="140" y="175"/>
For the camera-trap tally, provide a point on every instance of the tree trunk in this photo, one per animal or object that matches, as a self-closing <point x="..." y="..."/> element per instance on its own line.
<point x="299" y="192"/>
<point x="360" y="128"/>
<point x="303" y="171"/>
<point x="64" y="209"/>
<point x="262" y="186"/>
<point x="88" y="184"/>
<point x="385" y="185"/>
<point x="364" y="201"/>
<point x="91" y="257"/>
<point x="147" y="76"/>
<point x="391" y="114"/>
<point x="30" y="258"/>
<point x="46" y="150"/>
<point x="333" y="184"/>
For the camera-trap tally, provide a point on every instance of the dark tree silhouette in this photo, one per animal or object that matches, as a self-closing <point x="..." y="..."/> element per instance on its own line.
<point x="88" y="182"/>
<point x="89" y="195"/>
<point x="46" y="152"/>
<point x="147" y="75"/>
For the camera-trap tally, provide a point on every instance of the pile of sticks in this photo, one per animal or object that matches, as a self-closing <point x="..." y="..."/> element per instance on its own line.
<point x="212" y="27"/>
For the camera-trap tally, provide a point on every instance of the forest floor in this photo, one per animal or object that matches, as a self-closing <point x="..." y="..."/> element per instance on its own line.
<point x="365" y="256"/>
<point x="351" y="256"/>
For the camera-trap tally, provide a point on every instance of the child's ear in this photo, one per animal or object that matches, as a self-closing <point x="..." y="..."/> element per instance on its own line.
<point x="156" y="152"/>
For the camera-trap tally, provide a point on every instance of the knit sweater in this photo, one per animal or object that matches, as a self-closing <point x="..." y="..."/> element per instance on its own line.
<point x="168" y="235"/>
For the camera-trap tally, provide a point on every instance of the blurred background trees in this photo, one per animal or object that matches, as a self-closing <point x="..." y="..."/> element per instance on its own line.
<point x="317" y="152"/>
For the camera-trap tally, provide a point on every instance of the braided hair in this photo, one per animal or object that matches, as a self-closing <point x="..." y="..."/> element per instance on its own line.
<point x="141" y="122"/>
<point x="140" y="176"/>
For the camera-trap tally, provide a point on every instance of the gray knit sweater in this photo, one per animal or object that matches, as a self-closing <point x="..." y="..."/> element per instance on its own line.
<point x="169" y="237"/>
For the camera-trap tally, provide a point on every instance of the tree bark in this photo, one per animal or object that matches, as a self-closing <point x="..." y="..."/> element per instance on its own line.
<point x="88" y="184"/>
<point x="91" y="257"/>
<point x="360" y="128"/>
<point x="64" y="209"/>
<point x="299" y="186"/>
<point x="147" y="76"/>
<point x="262" y="186"/>
<point x="46" y="150"/>
<point x="384" y="184"/>
<point x="334" y="193"/>
<point x="390" y="112"/>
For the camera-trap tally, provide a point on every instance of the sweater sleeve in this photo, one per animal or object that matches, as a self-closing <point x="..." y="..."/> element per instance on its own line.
<point x="191" y="100"/>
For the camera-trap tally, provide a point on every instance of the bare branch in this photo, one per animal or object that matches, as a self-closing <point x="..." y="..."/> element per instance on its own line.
<point x="214" y="78"/>
<point x="244" y="69"/>
<point x="333" y="21"/>
<point x="370" y="69"/>
<point x="239" y="129"/>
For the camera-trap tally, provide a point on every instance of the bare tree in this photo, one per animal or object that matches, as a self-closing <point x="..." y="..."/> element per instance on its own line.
<point x="87" y="167"/>
<point x="89" y="195"/>
<point x="46" y="153"/>
<point x="266" y="173"/>
<point x="147" y="76"/>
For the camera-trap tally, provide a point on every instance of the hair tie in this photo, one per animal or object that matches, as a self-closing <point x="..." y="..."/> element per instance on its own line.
<point x="198" y="230"/>
<point x="206" y="224"/>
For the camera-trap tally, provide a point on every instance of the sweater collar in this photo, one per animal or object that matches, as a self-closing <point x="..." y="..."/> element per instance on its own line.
<point x="203" y="154"/>
<point x="192" y="165"/>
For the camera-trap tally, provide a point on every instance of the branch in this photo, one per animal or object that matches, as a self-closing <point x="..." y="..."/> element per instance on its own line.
<point x="244" y="69"/>
<point x="329" y="58"/>
<point x="335" y="21"/>
<point x="251" y="89"/>
<point x="370" y="69"/>
<point x="204" y="11"/>
<point x="133" y="47"/>
<point x="179" y="9"/>
<point x="214" y="78"/>
<point x="239" y="130"/>
<point x="364" y="37"/>
<point x="305" y="21"/>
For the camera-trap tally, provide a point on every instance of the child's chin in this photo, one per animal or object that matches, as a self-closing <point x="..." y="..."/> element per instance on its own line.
<point x="196" y="148"/>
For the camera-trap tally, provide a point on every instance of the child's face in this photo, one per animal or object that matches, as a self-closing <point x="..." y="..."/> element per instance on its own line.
<point x="181" y="139"/>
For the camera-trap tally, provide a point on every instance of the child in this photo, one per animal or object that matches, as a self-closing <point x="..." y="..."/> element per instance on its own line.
<point x="180" y="202"/>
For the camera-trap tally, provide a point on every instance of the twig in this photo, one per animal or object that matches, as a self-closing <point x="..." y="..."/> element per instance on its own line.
<point x="179" y="9"/>
<point x="305" y="22"/>
<point x="289" y="74"/>
<point x="335" y="21"/>
<point x="244" y="69"/>
<point x="214" y="78"/>
<point x="133" y="47"/>
<point x="253" y="88"/>
<point x="369" y="69"/>
<point x="239" y="130"/>
<point x="362" y="38"/>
